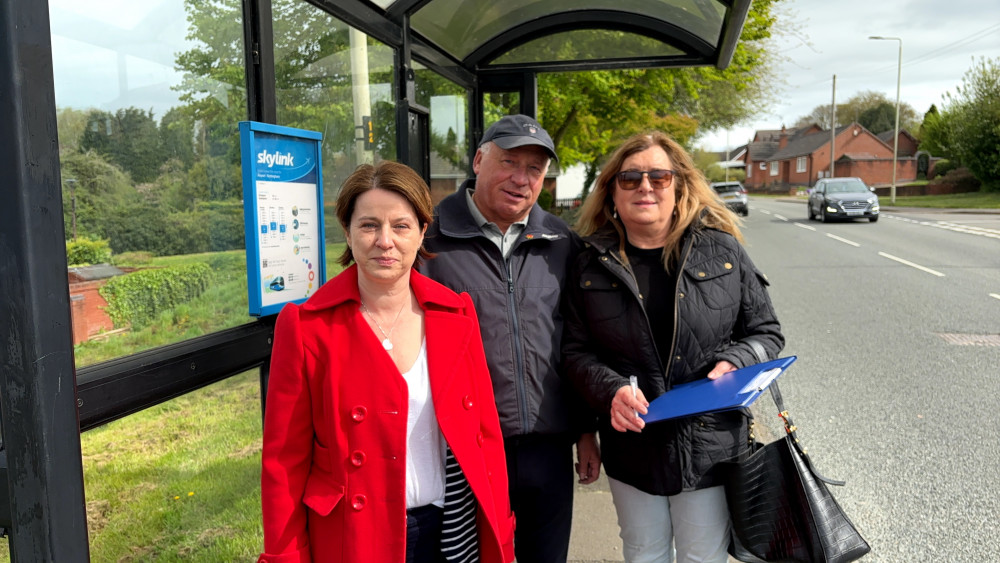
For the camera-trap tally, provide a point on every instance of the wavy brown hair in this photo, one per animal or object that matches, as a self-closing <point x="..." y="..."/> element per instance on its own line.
<point x="390" y="176"/>
<point x="694" y="197"/>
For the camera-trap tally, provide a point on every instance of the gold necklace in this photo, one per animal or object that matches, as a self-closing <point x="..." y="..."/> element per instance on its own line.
<point x="386" y="343"/>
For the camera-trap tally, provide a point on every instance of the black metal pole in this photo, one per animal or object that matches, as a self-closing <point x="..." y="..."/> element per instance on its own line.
<point x="41" y="435"/>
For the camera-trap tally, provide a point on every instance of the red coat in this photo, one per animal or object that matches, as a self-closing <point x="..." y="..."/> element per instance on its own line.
<point x="333" y="478"/>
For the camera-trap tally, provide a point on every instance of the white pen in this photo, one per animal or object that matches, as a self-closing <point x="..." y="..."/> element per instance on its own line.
<point x="633" y="381"/>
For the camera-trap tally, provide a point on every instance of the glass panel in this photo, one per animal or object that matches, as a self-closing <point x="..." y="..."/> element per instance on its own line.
<point x="449" y="113"/>
<point x="587" y="44"/>
<point x="332" y="78"/>
<point x="148" y="98"/>
<point x="461" y="26"/>
<point x="499" y="104"/>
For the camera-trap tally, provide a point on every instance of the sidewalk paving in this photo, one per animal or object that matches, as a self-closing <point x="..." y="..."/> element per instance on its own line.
<point x="594" y="536"/>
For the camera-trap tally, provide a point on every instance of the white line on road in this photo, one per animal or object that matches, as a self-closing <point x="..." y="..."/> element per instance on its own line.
<point x="804" y="226"/>
<point x="843" y="240"/>
<point x="995" y="295"/>
<point x="764" y="211"/>
<point x="908" y="263"/>
<point x="781" y="217"/>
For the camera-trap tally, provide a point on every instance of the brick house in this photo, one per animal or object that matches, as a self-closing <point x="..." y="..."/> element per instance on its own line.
<point x="779" y="160"/>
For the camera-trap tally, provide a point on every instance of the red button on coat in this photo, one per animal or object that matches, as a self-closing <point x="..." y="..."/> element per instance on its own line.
<point x="479" y="439"/>
<point x="358" y="458"/>
<point x="467" y="402"/>
<point x="358" y="502"/>
<point x="358" y="413"/>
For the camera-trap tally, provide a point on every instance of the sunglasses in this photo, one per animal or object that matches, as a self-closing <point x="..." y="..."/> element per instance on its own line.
<point x="658" y="179"/>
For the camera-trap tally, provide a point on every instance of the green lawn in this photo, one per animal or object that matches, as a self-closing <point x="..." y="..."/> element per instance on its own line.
<point x="972" y="200"/>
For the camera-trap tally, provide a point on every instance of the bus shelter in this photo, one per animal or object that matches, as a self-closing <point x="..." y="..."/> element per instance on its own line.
<point x="121" y="117"/>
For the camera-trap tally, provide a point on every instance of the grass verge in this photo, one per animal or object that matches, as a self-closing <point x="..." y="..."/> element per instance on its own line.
<point x="179" y="481"/>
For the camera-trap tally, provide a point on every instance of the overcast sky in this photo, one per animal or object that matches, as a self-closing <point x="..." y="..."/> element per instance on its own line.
<point x="939" y="41"/>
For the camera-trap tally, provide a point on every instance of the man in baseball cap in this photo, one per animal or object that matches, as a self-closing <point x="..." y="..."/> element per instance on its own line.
<point x="514" y="131"/>
<point x="513" y="258"/>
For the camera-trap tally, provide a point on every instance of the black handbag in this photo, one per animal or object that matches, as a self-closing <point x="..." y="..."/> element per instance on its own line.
<point x="781" y="509"/>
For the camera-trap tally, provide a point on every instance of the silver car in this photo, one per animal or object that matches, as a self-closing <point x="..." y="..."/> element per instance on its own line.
<point x="842" y="198"/>
<point x="734" y="195"/>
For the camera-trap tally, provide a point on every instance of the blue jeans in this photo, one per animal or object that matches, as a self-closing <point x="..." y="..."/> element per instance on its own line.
<point x="696" y="523"/>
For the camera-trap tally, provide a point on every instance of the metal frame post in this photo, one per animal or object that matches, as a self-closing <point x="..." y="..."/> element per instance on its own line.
<point x="41" y="432"/>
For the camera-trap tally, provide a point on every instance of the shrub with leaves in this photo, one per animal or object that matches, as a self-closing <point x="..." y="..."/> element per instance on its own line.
<point x="85" y="251"/>
<point x="139" y="297"/>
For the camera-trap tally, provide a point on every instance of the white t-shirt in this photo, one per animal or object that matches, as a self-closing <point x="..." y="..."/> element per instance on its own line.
<point x="425" y="446"/>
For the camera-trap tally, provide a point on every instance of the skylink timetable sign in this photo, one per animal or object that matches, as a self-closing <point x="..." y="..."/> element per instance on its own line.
<point x="283" y="215"/>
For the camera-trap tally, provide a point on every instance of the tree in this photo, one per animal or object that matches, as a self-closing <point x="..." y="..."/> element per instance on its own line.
<point x="973" y="117"/>
<point x="590" y="113"/>
<point x="934" y="134"/>
<point x="128" y="138"/>
<point x="71" y="124"/>
<point x="865" y="106"/>
<point x="879" y="119"/>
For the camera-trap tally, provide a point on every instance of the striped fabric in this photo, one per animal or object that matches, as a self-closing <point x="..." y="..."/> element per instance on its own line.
<point x="459" y="539"/>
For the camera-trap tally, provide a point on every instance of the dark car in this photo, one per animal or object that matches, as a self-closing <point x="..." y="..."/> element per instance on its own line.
<point x="734" y="195"/>
<point x="842" y="198"/>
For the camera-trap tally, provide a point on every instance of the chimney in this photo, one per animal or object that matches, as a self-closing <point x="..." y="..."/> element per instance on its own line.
<point x="783" y="140"/>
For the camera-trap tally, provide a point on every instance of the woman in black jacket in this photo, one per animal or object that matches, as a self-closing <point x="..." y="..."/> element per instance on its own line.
<point x="664" y="291"/>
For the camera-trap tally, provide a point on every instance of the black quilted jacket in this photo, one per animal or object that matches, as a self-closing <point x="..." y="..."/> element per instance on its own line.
<point x="721" y="299"/>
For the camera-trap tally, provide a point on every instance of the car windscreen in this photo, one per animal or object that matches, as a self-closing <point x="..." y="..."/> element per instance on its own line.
<point x="727" y="188"/>
<point x="846" y="188"/>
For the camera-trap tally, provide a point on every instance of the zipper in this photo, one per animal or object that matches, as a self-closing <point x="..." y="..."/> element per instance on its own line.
<point x="522" y="394"/>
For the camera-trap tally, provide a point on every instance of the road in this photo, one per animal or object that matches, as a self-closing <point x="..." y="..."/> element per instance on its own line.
<point x="896" y="325"/>
<point x="897" y="328"/>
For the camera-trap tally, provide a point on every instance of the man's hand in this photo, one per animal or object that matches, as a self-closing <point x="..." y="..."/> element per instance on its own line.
<point x="588" y="456"/>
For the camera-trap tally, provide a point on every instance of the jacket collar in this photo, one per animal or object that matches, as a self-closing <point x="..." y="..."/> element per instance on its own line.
<point x="455" y="220"/>
<point x="344" y="287"/>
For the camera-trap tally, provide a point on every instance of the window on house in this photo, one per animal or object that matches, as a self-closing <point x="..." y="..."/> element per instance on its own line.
<point x="763" y="166"/>
<point x="774" y="168"/>
<point x="800" y="164"/>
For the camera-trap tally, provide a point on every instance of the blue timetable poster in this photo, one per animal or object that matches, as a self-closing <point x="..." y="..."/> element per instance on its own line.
<point x="283" y="215"/>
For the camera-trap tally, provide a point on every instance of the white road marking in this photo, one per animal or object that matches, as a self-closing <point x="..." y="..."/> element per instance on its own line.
<point x="995" y="295"/>
<point x="911" y="264"/>
<point x="843" y="240"/>
<point x="804" y="226"/>
<point x="781" y="217"/>
<point x="949" y="226"/>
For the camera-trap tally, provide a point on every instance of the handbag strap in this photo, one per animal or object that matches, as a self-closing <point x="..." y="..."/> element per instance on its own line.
<point x="790" y="429"/>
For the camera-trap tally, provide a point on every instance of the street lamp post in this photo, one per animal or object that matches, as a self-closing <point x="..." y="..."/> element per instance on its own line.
<point x="895" y="136"/>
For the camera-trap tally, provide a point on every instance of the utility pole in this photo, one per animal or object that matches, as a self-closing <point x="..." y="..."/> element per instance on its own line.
<point x="833" y="124"/>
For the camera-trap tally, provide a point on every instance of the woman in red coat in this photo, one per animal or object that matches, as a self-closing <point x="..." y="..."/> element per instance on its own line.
<point x="381" y="436"/>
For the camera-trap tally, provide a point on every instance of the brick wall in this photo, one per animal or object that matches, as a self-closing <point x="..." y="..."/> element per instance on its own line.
<point x="87" y="307"/>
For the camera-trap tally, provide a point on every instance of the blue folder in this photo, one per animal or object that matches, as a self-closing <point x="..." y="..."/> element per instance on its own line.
<point x="733" y="390"/>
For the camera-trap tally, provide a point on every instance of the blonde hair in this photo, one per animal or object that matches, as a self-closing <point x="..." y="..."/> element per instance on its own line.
<point x="694" y="198"/>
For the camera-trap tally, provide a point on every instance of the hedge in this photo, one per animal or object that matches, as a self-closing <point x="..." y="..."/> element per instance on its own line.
<point x="85" y="251"/>
<point x="137" y="298"/>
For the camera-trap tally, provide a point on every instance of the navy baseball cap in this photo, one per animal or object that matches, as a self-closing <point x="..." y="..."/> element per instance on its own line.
<point x="517" y="131"/>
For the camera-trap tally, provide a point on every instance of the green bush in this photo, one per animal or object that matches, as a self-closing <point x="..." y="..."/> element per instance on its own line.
<point x="943" y="167"/>
<point x="85" y="250"/>
<point x="545" y="199"/>
<point x="139" y="297"/>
